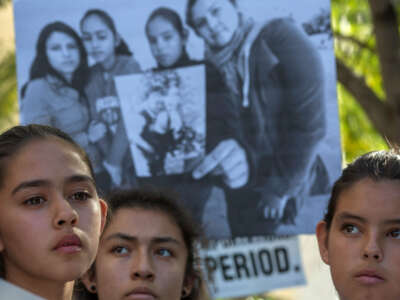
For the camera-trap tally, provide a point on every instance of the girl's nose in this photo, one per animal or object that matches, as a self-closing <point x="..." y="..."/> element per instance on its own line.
<point x="211" y="22"/>
<point x="66" y="52"/>
<point x="142" y="267"/>
<point x="373" y="249"/>
<point x="65" y="214"/>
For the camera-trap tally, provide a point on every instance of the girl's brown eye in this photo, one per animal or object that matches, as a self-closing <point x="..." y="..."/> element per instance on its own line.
<point x="395" y="233"/>
<point x="120" y="250"/>
<point x="350" y="228"/>
<point x="80" y="196"/>
<point x="164" y="252"/>
<point x="33" y="201"/>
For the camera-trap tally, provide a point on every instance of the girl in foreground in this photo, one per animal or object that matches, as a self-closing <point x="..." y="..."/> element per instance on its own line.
<point x="50" y="215"/>
<point x="112" y="57"/>
<point x="146" y="251"/>
<point x="359" y="237"/>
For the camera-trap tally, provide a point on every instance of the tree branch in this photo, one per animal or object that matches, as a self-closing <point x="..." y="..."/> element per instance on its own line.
<point x="388" y="48"/>
<point x="377" y="111"/>
<point x="352" y="39"/>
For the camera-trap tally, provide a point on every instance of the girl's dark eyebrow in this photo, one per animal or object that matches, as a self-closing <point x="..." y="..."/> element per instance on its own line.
<point x="392" y="222"/>
<point x="30" y="184"/>
<point x="80" y="178"/>
<point x="346" y="215"/>
<point x="45" y="182"/>
<point x="130" y="238"/>
<point x="121" y="236"/>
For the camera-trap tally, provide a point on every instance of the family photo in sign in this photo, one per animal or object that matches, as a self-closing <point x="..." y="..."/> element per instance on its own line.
<point x="230" y="103"/>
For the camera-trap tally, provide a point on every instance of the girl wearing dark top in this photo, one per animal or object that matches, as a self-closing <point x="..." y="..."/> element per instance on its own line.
<point x="112" y="58"/>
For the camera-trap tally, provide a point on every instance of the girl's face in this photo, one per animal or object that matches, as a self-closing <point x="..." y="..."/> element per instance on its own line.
<point x="50" y="215"/>
<point x="142" y="255"/>
<point x="362" y="246"/>
<point x="215" y="21"/>
<point x="62" y="53"/>
<point x="166" y="43"/>
<point x="99" y="40"/>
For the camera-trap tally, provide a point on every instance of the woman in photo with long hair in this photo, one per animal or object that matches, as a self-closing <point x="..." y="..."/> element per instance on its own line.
<point x="112" y="57"/>
<point x="54" y="94"/>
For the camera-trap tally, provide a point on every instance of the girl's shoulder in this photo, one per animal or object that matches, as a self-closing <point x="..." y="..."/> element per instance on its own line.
<point x="126" y="65"/>
<point x="38" y="84"/>
<point x="37" y="88"/>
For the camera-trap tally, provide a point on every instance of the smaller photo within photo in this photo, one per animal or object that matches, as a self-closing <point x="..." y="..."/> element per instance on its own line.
<point x="165" y="119"/>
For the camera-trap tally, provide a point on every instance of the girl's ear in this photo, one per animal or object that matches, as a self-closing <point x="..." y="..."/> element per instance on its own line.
<point x="89" y="280"/>
<point x="187" y="286"/>
<point x="322" y="237"/>
<point x="103" y="211"/>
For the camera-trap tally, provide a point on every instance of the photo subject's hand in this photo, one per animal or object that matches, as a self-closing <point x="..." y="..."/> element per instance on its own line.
<point x="141" y="143"/>
<point x="275" y="207"/>
<point x="97" y="130"/>
<point x="229" y="158"/>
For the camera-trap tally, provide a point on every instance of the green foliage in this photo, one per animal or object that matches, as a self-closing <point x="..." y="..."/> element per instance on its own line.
<point x="8" y="92"/>
<point x="4" y="2"/>
<point x="358" y="135"/>
<point x="355" y="45"/>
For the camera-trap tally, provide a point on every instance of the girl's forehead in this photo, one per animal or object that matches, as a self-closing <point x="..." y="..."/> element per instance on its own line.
<point x="95" y="20"/>
<point x="370" y="198"/>
<point x="58" y="35"/>
<point x="161" y="24"/>
<point x="151" y="221"/>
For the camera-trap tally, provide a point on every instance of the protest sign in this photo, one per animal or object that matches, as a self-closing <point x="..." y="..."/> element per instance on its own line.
<point x="246" y="266"/>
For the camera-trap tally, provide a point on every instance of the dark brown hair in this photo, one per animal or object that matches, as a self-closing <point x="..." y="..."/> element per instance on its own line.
<point x="170" y="16"/>
<point x="122" y="48"/>
<point x="377" y="165"/>
<point x="41" y="66"/>
<point x="15" y="138"/>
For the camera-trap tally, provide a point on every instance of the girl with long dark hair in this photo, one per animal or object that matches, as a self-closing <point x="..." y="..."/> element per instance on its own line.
<point x="112" y="57"/>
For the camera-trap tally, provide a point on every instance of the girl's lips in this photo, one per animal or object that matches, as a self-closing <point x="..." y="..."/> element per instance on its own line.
<point x="141" y="293"/>
<point x="369" y="277"/>
<point x="97" y="54"/>
<point x="69" y="244"/>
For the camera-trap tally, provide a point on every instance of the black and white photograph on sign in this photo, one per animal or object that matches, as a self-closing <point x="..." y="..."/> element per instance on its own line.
<point x="164" y="117"/>
<point x="230" y="103"/>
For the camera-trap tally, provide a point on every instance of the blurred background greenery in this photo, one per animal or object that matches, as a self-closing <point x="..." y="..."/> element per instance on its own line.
<point x="366" y="35"/>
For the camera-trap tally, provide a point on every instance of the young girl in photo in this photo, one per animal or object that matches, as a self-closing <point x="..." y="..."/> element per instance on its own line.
<point x="359" y="237"/>
<point x="54" y="94"/>
<point x="50" y="214"/>
<point x="112" y="57"/>
<point x="167" y="39"/>
<point x="147" y="251"/>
